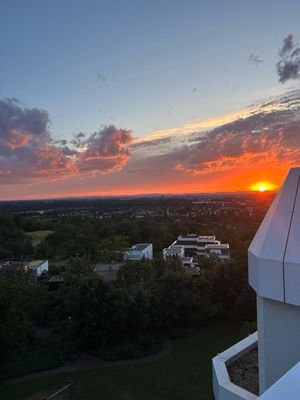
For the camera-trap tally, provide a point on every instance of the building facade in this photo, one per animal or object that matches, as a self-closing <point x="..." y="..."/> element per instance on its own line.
<point x="274" y="274"/>
<point x="139" y="251"/>
<point x="193" y="245"/>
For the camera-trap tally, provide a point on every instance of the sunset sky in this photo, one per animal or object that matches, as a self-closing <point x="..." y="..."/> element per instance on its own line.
<point x="136" y="97"/>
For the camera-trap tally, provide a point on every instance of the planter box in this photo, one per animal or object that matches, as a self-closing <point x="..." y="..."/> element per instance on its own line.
<point x="223" y="388"/>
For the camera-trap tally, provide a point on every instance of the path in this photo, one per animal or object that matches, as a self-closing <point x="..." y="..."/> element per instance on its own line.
<point x="87" y="361"/>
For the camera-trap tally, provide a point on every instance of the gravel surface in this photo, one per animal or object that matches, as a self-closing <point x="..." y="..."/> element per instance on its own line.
<point x="244" y="371"/>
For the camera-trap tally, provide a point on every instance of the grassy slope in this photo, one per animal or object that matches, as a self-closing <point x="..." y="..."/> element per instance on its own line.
<point x="184" y="374"/>
<point x="39" y="235"/>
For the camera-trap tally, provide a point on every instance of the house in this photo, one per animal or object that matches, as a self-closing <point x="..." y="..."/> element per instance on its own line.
<point x="192" y="244"/>
<point x="221" y="251"/>
<point x="139" y="251"/>
<point x="108" y="271"/>
<point x="35" y="267"/>
<point x="274" y="274"/>
<point x="38" y="267"/>
<point x="173" y="251"/>
<point x="55" y="282"/>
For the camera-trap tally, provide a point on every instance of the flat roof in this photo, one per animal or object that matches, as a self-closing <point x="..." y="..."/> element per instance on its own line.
<point x="187" y="259"/>
<point x="36" y="263"/>
<point x="56" y="279"/>
<point x="218" y="246"/>
<point x="108" y="266"/>
<point x="189" y="235"/>
<point x="141" y="246"/>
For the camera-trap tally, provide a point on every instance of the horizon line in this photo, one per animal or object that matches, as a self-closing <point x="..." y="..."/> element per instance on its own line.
<point x="116" y="196"/>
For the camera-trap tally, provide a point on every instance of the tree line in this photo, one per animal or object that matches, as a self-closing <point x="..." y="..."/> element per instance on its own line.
<point x="148" y="301"/>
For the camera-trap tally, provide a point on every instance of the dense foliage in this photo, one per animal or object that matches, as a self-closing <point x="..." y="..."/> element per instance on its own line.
<point x="13" y="241"/>
<point x="148" y="301"/>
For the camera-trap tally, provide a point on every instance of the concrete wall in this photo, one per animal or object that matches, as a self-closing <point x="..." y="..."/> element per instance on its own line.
<point x="278" y="340"/>
<point x="148" y="252"/>
<point x="223" y="388"/>
<point x="41" y="268"/>
<point x="133" y="254"/>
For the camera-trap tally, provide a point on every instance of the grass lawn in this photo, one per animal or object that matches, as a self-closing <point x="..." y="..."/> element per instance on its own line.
<point x="185" y="374"/>
<point x="39" y="235"/>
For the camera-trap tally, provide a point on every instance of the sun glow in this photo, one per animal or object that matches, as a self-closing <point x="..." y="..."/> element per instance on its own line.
<point x="262" y="187"/>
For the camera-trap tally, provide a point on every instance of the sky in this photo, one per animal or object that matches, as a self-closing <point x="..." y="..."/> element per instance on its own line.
<point x="138" y="97"/>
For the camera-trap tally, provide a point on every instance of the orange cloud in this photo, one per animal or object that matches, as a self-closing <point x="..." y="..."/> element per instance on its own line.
<point x="29" y="155"/>
<point x="107" y="150"/>
<point x="234" y="153"/>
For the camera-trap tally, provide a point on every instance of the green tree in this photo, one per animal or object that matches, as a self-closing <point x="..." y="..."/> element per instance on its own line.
<point x="15" y="326"/>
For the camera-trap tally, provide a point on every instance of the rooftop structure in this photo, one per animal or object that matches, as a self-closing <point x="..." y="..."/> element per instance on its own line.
<point x="140" y="251"/>
<point x="192" y="244"/>
<point x="274" y="273"/>
<point x="173" y="251"/>
<point x="221" y="251"/>
<point x="38" y="266"/>
<point x="13" y="267"/>
<point x="108" y="271"/>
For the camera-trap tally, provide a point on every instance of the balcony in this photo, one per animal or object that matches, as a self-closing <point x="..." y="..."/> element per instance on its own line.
<point x="233" y="376"/>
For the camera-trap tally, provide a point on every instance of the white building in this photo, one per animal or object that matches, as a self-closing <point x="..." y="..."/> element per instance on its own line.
<point x="140" y="251"/>
<point x="108" y="271"/>
<point x="37" y="267"/>
<point x="274" y="273"/>
<point x="173" y="251"/>
<point x="221" y="251"/>
<point x="13" y="267"/>
<point x="192" y="244"/>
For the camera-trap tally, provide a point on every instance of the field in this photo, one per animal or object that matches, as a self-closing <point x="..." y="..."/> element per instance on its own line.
<point x="39" y="235"/>
<point x="184" y="374"/>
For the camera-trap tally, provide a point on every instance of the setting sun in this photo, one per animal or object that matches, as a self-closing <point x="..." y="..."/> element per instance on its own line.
<point x="262" y="187"/>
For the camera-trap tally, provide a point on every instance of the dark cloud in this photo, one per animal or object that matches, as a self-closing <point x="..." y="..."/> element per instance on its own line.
<point x="15" y="119"/>
<point x="254" y="59"/>
<point x="26" y="148"/>
<point x="29" y="154"/>
<point x="194" y="90"/>
<point x="151" y="143"/>
<point x="288" y="45"/>
<point x="288" y="67"/>
<point x="62" y="142"/>
<point x="106" y="150"/>
<point x="76" y="142"/>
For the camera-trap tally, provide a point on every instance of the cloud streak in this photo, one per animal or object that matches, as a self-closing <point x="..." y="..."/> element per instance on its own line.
<point x="267" y="134"/>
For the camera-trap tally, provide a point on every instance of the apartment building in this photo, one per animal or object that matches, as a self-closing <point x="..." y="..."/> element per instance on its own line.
<point x="192" y="244"/>
<point x="139" y="251"/>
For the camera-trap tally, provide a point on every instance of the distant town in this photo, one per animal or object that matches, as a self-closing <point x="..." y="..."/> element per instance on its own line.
<point x="139" y="207"/>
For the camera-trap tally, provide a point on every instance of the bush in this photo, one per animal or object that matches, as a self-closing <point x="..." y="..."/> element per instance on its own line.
<point x="39" y="358"/>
